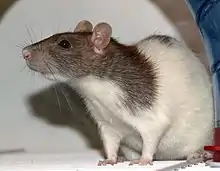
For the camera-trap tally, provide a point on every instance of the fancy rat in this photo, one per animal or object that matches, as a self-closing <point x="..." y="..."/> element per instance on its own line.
<point x="154" y="97"/>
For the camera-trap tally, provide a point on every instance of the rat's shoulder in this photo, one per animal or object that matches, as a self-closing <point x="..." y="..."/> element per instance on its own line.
<point x="159" y="39"/>
<point x="159" y="44"/>
<point x="163" y="39"/>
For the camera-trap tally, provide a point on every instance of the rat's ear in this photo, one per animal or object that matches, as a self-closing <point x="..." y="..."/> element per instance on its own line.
<point x="84" y="26"/>
<point x="101" y="36"/>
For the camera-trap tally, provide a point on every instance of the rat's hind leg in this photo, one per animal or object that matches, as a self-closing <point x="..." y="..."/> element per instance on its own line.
<point x="151" y="128"/>
<point x="200" y="154"/>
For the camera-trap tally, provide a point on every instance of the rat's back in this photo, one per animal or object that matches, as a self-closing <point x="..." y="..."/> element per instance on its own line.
<point x="185" y="97"/>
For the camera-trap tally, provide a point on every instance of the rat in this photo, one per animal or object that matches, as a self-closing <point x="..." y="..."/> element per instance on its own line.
<point x="152" y="100"/>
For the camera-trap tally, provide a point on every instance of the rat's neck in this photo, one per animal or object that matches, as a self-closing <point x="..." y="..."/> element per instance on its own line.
<point x="133" y="72"/>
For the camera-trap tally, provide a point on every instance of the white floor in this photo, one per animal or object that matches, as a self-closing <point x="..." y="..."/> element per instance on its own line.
<point x="78" y="161"/>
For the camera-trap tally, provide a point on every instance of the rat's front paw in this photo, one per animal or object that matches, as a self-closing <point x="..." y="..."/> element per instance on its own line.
<point x="142" y="161"/>
<point x="107" y="162"/>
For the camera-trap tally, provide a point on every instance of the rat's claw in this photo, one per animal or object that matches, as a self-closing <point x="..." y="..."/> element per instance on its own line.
<point x="107" y="162"/>
<point x="142" y="162"/>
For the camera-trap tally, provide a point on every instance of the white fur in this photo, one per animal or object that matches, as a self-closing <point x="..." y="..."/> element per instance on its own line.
<point x="185" y="99"/>
<point x="180" y="122"/>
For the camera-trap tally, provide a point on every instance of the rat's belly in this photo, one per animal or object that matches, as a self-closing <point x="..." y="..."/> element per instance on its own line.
<point x="104" y="115"/>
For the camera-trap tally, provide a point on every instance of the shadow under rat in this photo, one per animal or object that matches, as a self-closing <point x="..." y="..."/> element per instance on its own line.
<point x="62" y="106"/>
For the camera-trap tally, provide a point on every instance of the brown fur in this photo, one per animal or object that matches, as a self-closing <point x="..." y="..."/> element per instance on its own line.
<point x="122" y="64"/>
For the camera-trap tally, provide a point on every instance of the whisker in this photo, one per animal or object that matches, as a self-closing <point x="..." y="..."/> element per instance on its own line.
<point x="67" y="100"/>
<point x="58" y="100"/>
<point x="35" y="66"/>
<point x="29" y="34"/>
<point x="55" y="30"/>
<point x="39" y="47"/>
<point x="26" y="43"/>
<point x="51" y="72"/>
<point x="58" y="68"/>
<point x="53" y="65"/>
<point x="34" y="35"/>
<point x="156" y="31"/>
<point x="58" y="28"/>
<point x="63" y="91"/>
<point x="70" y="30"/>
<point x="20" y="46"/>
<point x="24" y="67"/>
<point x="32" y="73"/>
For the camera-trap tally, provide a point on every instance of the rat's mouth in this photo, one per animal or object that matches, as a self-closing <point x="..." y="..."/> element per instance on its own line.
<point x="38" y="68"/>
<point x="34" y="68"/>
<point x="47" y="72"/>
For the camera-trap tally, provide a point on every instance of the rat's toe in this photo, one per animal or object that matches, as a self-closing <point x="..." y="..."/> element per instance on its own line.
<point x="107" y="162"/>
<point x="142" y="162"/>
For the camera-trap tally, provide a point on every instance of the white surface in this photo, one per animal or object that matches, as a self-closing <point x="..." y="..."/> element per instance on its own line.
<point x="77" y="161"/>
<point x="131" y="20"/>
<point x="213" y="164"/>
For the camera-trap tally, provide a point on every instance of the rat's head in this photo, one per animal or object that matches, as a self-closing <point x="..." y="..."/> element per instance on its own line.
<point x="71" y="54"/>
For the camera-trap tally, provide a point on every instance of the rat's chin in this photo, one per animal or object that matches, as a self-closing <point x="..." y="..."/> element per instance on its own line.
<point x="55" y="77"/>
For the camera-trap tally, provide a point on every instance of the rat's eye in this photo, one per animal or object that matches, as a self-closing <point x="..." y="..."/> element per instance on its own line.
<point x="64" y="44"/>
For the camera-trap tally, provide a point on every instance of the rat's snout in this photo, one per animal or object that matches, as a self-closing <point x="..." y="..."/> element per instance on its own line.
<point x="36" y="60"/>
<point x="26" y="54"/>
<point x="32" y="59"/>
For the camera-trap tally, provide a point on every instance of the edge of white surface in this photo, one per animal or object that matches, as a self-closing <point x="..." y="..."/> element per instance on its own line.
<point x="65" y="161"/>
<point x="211" y="163"/>
<point x="76" y="161"/>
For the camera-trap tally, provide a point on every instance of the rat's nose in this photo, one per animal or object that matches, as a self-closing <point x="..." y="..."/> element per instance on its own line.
<point x="26" y="54"/>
